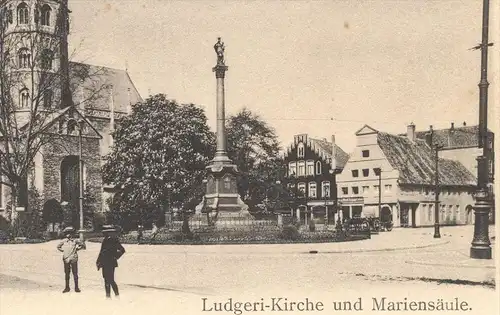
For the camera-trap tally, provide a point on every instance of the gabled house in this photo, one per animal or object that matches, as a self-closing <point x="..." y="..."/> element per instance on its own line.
<point x="312" y="165"/>
<point x="403" y="190"/>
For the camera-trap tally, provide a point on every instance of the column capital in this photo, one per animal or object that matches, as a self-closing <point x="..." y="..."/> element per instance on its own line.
<point x="220" y="71"/>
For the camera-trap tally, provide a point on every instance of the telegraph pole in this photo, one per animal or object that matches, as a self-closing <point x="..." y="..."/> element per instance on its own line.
<point x="480" y="248"/>
<point x="437" y="233"/>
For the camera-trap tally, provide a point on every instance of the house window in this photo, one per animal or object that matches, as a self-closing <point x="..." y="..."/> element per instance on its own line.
<point x="47" y="57"/>
<point x="302" y="168"/>
<point x="429" y="216"/>
<point x="345" y="191"/>
<point x="302" y="188"/>
<point x="292" y="168"/>
<point x="375" y="189"/>
<point x="24" y="98"/>
<point x="366" y="153"/>
<point x="318" y="167"/>
<point x="312" y="190"/>
<point x="366" y="189"/>
<point x="355" y="190"/>
<point x="24" y="58"/>
<point x="300" y="150"/>
<point x="45" y="15"/>
<point x="22" y="14"/>
<point x="366" y="172"/>
<point x="325" y="189"/>
<point x="47" y="98"/>
<point x="355" y="173"/>
<point x="310" y="167"/>
<point x="388" y="188"/>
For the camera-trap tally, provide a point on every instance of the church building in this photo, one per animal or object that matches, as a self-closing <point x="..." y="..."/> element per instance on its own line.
<point x="73" y="106"/>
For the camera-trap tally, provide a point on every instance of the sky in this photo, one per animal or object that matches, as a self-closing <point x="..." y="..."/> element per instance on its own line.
<point x="315" y="67"/>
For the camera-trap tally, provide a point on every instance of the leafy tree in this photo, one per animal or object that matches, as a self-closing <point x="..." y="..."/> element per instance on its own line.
<point x="161" y="144"/>
<point x="254" y="147"/>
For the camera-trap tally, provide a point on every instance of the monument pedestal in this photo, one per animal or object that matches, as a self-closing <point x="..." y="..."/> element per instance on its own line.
<point x="222" y="205"/>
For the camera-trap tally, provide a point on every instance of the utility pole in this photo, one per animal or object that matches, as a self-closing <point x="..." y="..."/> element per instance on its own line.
<point x="437" y="147"/>
<point x="480" y="248"/>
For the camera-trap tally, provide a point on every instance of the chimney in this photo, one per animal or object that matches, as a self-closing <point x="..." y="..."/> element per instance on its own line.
<point x="465" y="124"/>
<point x="410" y="133"/>
<point x="334" y="154"/>
<point x="452" y="126"/>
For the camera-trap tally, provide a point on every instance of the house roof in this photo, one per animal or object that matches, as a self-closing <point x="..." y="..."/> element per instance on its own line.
<point x="415" y="162"/>
<point x="325" y="148"/>
<point x="98" y="84"/>
<point x="453" y="138"/>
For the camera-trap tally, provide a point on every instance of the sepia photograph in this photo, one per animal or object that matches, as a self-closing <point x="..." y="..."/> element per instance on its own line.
<point x="246" y="157"/>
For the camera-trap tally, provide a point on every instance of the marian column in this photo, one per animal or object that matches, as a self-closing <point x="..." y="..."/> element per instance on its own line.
<point x="222" y="199"/>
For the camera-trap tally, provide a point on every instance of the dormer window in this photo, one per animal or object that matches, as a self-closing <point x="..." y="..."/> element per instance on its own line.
<point x="23" y="16"/>
<point x="300" y="150"/>
<point x="366" y="153"/>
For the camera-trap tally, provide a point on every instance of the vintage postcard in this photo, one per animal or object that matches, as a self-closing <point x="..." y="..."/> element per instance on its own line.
<point x="249" y="157"/>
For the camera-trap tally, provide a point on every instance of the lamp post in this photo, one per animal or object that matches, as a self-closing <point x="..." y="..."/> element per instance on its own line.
<point x="80" y="125"/>
<point x="168" y="216"/>
<point x="378" y="172"/>
<point x="480" y="248"/>
<point x="333" y="191"/>
<point x="437" y="233"/>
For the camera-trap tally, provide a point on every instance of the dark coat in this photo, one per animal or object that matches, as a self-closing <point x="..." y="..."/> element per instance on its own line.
<point x="111" y="251"/>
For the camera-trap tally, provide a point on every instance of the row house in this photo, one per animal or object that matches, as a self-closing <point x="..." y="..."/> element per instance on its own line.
<point x="392" y="177"/>
<point x="312" y="165"/>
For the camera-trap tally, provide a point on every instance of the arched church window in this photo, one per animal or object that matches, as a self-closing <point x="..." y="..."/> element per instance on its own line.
<point x="46" y="59"/>
<point x="24" y="58"/>
<point x="45" y="15"/>
<point x="22" y="13"/>
<point x="47" y="98"/>
<point x="24" y="98"/>
<point x="71" y="126"/>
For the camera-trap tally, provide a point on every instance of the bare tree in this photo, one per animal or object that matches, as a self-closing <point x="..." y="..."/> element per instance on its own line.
<point x="37" y="84"/>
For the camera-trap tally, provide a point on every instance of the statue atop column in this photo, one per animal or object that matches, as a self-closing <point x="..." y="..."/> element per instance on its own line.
<point x="219" y="49"/>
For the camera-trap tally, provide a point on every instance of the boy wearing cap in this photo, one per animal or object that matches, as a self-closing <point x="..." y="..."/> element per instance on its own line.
<point x="70" y="247"/>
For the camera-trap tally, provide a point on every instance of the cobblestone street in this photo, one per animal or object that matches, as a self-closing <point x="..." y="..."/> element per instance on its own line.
<point x="164" y="278"/>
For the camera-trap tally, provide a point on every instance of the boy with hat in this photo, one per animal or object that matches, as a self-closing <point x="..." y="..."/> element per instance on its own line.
<point x="70" y="247"/>
<point x="111" y="251"/>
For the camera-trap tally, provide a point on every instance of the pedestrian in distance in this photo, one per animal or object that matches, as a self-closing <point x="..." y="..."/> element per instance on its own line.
<point x="154" y="232"/>
<point x="70" y="247"/>
<point x="140" y="231"/>
<point x="111" y="251"/>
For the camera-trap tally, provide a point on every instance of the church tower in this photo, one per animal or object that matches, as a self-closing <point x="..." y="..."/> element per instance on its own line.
<point x="34" y="55"/>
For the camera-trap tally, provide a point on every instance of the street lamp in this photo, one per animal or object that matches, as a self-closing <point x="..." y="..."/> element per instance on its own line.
<point x="169" y="208"/>
<point x="437" y="233"/>
<point x="378" y="172"/>
<point x="80" y="124"/>
<point x="480" y="248"/>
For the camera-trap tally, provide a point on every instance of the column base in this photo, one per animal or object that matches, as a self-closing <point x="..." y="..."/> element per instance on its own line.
<point x="480" y="252"/>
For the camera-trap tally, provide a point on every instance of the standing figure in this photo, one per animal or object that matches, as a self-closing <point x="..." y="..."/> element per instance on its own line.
<point x="111" y="251"/>
<point x="70" y="247"/>
<point x="139" y="233"/>
<point x="219" y="50"/>
<point x="154" y="232"/>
